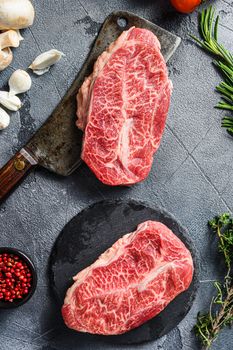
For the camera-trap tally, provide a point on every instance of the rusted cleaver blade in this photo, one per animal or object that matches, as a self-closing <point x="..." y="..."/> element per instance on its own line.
<point x="57" y="144"/>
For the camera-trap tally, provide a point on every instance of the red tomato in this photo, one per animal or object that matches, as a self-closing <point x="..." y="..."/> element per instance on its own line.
<point x="185" y="6"/>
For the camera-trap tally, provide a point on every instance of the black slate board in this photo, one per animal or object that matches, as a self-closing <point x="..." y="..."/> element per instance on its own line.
<point x="93" y="231"/>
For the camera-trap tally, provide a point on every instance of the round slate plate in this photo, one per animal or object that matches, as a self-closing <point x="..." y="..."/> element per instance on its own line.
<point x="93" y="231"/>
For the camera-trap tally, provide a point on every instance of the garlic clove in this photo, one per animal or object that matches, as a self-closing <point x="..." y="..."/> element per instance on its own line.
<point x="16" y="14"/>
<point x="19" y="82"/>
<point x="12" y="103"/>
<point x="4" y="119"/>
<point x="17" y="32"/>
<point x="9" y="39"/>
<point x="6" y="57"/>
<point x="45" y="60"/>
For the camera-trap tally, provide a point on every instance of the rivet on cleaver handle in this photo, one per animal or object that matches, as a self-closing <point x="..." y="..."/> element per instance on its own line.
<point x="15" y="170"/>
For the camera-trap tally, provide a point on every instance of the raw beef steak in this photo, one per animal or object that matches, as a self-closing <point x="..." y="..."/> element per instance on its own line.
<point x="122" y="108"/>
<point x="130" y="283"/>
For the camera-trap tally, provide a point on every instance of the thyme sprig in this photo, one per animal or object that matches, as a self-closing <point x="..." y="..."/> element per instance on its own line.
<point x="220" y="312"/>
<point x="223" y="226"/>
<point x="224" y="62"/>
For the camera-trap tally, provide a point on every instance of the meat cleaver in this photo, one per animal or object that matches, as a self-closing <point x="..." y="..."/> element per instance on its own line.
<point x="56" y="146"/>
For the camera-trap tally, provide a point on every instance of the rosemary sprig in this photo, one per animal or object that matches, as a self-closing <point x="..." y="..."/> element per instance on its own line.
<point x="224" y="62"/>
<point x="220" y="312"/>
<point x="227" y="122"/>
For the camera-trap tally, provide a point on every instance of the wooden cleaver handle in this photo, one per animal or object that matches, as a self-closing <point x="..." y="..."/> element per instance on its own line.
<point x="15" y="170"/>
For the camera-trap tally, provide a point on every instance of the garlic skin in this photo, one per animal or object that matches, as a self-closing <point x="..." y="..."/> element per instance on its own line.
<point x="4" y="119"/>
<point x="19" y="82"/>
<point x="44" y="61"/>
<point x="16" y="14"/>
<point x="12" y="103"/>
<point x="6" y="57"/>
<point x="19" y="35"/>
<point x="41" y="71"/>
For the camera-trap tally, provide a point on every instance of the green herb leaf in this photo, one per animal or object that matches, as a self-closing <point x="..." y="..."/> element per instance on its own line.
<point x="227" y="122"/>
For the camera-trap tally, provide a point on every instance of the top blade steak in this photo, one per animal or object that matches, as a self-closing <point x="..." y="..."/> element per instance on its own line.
<point x="130" y="283"/>
<point x="122" y="108"/>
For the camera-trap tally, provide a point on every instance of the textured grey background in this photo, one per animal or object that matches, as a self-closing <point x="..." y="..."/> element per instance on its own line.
<point x="192" y="173"/>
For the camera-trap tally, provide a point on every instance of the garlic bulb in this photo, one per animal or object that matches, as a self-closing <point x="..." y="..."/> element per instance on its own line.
<point x="44" y="61"/>
<point x="19" y="82"/>
<point x="6" y="57"/>
<point x="16" y="14"/>
<point x="4" y="119"/>
<point x="12" y="103"/>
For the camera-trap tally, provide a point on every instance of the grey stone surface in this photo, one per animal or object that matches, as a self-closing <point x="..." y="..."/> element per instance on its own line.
<point x="191" y="177"/>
